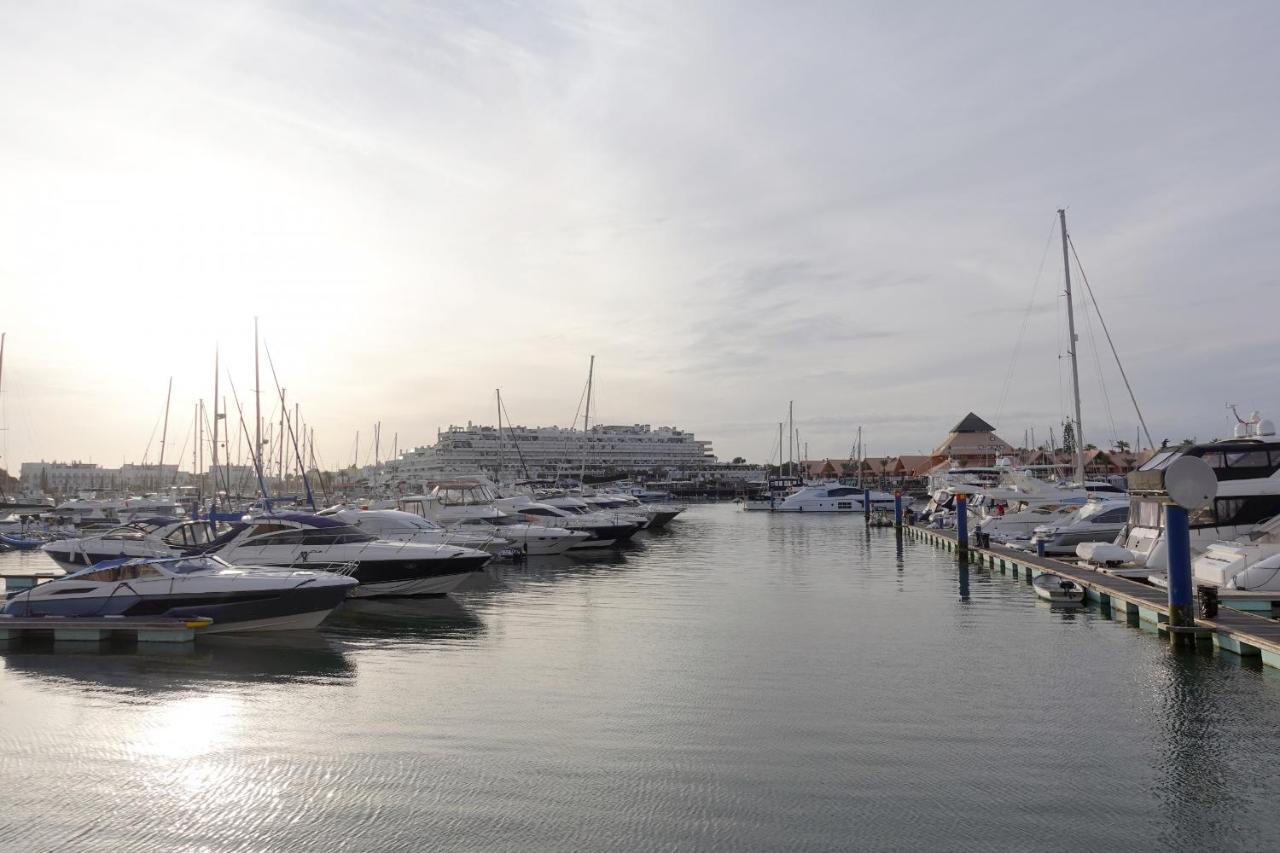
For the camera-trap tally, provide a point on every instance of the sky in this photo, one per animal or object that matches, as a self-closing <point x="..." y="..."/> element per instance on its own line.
<point x="732" y="205"/>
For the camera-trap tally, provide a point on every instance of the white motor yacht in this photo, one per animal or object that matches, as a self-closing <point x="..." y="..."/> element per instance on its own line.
<point x="161" y="536"/>
<point x="832" y="497"/>
<point x="1248" y="471"/>
<point x="603" y="533"/>
<point x="1249" y="564"/>
<point x="470" y="505"/>
<point x="1099" y="520"/>
<point x="383" y="567"/>
<point x="235" y="598"/>
<point x="399" y="526"/>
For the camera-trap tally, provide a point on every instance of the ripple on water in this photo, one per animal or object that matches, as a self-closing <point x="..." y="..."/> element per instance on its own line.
<point x="741" y="682"/>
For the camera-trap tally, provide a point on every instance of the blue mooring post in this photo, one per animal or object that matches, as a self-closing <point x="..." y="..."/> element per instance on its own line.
<point x="962" y="523"/>
<point x="866" y="505"/>
<point x="897" y="509"/>
<point x="1179" y="550"/>
<point x="1039" y="547"/>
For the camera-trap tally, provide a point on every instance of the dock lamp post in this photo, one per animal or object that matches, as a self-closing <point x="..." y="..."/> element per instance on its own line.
<point x="1187" y="484"/>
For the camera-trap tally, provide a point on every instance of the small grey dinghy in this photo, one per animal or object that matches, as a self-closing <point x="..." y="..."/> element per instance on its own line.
<point x="1056" y="589"/>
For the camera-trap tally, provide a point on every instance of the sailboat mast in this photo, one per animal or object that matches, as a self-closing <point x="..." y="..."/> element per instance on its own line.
<point x="860" y="457"/>
<point x="257" y="404"/>
<point x="498" y="473"/>
<point x="586" y="419"/>
<point x="791" y="437"/>
<point x="213" y="486"/>
<point x="164" y="433"/>
<point x="1075" y="366"/>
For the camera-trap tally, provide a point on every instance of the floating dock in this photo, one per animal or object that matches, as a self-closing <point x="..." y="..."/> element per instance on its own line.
<point x="96" y="629"/>
<point x="1232" y="630"/>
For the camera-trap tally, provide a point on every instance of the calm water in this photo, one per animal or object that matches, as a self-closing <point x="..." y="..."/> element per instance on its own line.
<point x="743" y="682"/>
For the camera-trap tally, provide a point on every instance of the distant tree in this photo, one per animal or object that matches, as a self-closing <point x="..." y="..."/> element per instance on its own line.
<point x="1091" y="447"/>
<point x="1121" y="445"/>
<point x="738" y="460"/>
<point x="1068" y="438"/>
<point x="1164" y="442"/>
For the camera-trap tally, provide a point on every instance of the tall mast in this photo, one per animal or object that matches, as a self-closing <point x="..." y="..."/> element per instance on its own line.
<point x="280" y="438"/>
<point x="791" y="437"/>
<point x="1075" y="367"/>
<point x="213" y="486"/>
<point x="195" y="448"/>
<point x="257" y="404"/>
<point x="164" y="433"/>
<point x="586" y="419"/>
<point x="226" y="480"/>
<point x="860" y="457"/>
<point x="498" y="473"/>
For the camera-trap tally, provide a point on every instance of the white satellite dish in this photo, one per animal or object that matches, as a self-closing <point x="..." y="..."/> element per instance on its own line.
<point x="1191" y="483"/>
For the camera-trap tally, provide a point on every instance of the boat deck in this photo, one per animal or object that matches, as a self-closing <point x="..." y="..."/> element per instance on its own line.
<point x="1232" y="630"/>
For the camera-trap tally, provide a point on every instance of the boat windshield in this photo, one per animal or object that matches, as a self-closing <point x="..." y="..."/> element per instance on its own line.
<point x="342" y="534"/>
<point x="114" y="573"/>
<point x="494" y="521"/>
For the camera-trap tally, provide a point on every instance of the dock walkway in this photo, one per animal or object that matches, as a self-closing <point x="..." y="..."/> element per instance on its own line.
<point x="1236" y="631"/>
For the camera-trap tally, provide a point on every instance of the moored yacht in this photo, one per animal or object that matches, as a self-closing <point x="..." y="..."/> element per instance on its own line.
<point x="400" y="526"/>
<point x="833" y="497"/>
<point x="1099" y="520"/>
<point x="235" y="598"/>
<point x="383" y="567"/>
<point x="470" y="504"/>
<point x="1248" y="472"/>
<point x="602" y="532"/>
<point x="161" y="536"/>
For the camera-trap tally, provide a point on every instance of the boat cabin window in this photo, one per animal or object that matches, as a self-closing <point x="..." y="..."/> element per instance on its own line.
<point x="1230" y="512"/>
<point x="190" y="535"/>
<point x="1113" y="516"/>
<point x="1146" y="514"/>
<point x="114" y="574"/>
<point x="841" y="492"/>
<point x="537" y="510"/>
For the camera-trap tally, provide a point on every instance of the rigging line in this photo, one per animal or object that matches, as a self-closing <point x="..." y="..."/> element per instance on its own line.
<point x="1102" y="383"/>
<point x="1026" y="315"/>
<point x="146" y="454"/>
<point x="1111" y="343"/>
<point x="181" y="454"/>
<point x="514" y="443"/>
<point x="573" y="424"/>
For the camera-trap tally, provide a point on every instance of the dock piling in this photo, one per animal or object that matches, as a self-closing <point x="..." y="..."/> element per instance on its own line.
<point x="962" y="523"/>
<point x="897" y="509"/>
<point x="1179" y="544"/>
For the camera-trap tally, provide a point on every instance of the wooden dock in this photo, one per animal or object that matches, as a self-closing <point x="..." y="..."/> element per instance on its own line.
<point x="1232" y="630"/>
<point x="96" y="629"/>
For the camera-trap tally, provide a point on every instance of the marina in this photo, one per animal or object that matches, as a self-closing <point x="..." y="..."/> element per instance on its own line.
<point x="654" y="427"/>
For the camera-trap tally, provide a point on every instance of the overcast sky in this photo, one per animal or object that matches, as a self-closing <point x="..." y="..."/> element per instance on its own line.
<point x="731" y="205"/>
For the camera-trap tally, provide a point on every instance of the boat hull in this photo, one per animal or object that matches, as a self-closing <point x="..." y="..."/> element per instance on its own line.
<point x="296" y="608"/>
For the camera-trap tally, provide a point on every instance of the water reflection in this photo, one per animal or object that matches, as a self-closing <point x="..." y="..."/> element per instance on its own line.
<point x="1197" y="782"/>
<point x="210" y="661"/>
<point x="422" y="620"/>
